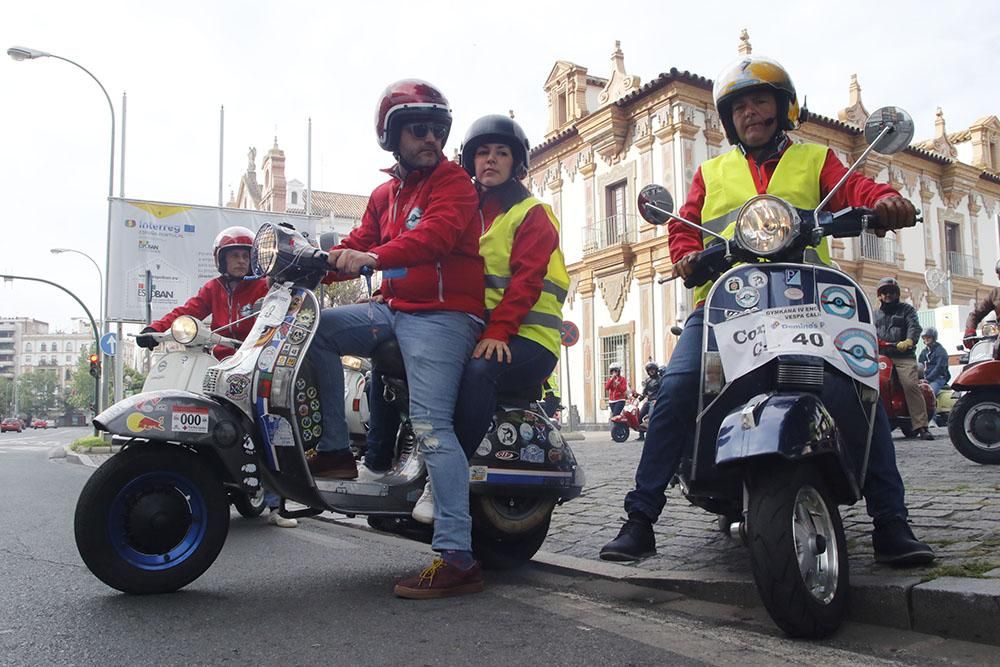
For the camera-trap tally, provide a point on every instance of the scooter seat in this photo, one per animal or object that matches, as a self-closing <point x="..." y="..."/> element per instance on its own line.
<point x="520" y="397"/>
<point x="388" y="360"/>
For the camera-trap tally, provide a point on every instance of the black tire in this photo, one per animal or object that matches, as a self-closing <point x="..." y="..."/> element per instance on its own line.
<point x="941" y="418"/>
<point x="248" y="506"/>
<point x="620" y="431"/>
<point x="977" y="413"/>
<point x="791" y="512"/>
<point x="508" y="531"/>
<point x="152" y="519"/>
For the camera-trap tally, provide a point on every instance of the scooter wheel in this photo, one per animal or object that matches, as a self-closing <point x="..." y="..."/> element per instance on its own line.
<point x="619" y="432"/>
<point x="152" y="519"/>
<point x="798" y="552"/>
<point x="974" y="427"/>
<point x="248" y="506"/>
<point x="508" y="530"/>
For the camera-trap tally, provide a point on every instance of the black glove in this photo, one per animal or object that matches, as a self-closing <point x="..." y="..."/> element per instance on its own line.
<point x="147" y="342"/>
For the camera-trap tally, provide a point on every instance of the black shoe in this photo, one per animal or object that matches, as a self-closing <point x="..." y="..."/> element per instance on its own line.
<point x="896" y="545"/>
<point x="923" y="434"/>
<point x="635" y="541"/>
<point x="642" y="436"/>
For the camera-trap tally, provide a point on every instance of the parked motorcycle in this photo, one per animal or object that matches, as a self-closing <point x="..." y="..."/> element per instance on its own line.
<point x="892" y="395"/>
<point x="154" y="517"/>
<point x="628" y="420"/>
<point x="974" y="423"/>
<point x="184" y="368"/>
<point x="768" y="456"/>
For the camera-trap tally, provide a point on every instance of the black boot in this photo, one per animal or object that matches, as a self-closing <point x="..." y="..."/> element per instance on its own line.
<point x="896" y="545"/>
<point x="635" y="540"/>
<point x="923" y="434"/>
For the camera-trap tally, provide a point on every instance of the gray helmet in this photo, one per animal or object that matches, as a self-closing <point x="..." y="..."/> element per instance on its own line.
<point x="887" y="284"/>
<point x="930" y="332"/>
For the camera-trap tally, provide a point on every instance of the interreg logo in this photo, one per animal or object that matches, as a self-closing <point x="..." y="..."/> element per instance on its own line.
<point x="157" y="228"/>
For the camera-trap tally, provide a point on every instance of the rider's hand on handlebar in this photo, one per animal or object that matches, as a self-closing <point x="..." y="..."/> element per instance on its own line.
<point x="684" y="267"/>
<point x="970" y="339"/>
<point x="904" y="345"/>
<point x="893" y="213"/>
<point x="147" y="342"/>
<point x="349" y="261"/>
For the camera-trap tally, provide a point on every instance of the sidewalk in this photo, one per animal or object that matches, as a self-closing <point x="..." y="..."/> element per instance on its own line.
<point x="954" y="505"/>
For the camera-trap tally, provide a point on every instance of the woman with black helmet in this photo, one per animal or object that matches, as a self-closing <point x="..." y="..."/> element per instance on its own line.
<point x="526" y="278"/>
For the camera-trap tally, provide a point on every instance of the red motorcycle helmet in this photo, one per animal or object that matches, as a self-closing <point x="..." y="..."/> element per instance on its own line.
<point x="228" y="238"/>
<point x="408" y="101"/>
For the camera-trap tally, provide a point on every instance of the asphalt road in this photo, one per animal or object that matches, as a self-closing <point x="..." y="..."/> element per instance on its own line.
<point x="322" y="593"/>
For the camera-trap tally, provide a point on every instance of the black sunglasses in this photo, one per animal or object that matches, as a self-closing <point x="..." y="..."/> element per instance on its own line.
<point x="420" y="130"/>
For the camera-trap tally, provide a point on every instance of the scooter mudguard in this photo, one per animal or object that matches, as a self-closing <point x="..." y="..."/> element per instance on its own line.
<point x="982" y="374"/>
<point x="189" y="419"/>
<point x="789" y="426"/>
<point x="525" y="455"/>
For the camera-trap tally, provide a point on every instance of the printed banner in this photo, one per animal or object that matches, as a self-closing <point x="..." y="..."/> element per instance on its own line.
<point x="174" y="243"/>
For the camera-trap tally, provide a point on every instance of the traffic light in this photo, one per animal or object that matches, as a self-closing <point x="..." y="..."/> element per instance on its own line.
<point x="95" y="365"/>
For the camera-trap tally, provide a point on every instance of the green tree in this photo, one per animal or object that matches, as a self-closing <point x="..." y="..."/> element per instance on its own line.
<point x="6" y="396"/>
<point x="81" y="388"/>
<point x="38" y="393"/>
<point x="346" y="292"/>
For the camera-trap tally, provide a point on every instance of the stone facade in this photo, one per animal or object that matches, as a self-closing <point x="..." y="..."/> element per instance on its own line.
<point x="33" y="347"/>
<point x="609" y="137"/>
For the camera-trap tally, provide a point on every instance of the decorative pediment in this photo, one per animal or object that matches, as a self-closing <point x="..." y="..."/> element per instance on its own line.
<point x="620" y="83"/>
<point x="855" y="112"/>
<point x="614" y="291"/>
<point x="940" y="143"/>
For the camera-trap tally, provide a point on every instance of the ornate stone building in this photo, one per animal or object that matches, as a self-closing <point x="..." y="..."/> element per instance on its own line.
<point x="608" y="137"/>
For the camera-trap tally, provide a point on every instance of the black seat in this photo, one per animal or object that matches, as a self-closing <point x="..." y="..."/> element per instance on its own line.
<point x="388" y="360"/>
<point x="521" y="397"/>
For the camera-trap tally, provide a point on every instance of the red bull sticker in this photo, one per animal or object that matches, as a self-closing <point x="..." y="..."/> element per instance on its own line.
<point x="189" y="419"/>
<point x="138" y="423"/>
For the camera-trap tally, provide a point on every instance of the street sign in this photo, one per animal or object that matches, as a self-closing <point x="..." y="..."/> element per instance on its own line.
<point x="569" y="333"/>
<point x="109" y="342"/>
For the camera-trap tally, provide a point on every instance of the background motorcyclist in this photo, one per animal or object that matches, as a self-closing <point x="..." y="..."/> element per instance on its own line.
<point x="617" y="387"/>
<point x="650" y="387"/>
<point x="757" y="103"/>
<point x="896" y="322"/>
<point x="981" y="310"/>
<point x="934" y="359"/>
<point x="227" y="298"/>
<point x="551" y="398"/>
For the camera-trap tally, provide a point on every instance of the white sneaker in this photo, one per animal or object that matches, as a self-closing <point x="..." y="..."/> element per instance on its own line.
<point x="423" y="511"/>
<point x="275" y="519"/>
<point x="366" y="474"/>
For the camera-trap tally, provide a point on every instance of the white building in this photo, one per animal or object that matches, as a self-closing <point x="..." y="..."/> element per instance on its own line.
<point x="608" y="137"/>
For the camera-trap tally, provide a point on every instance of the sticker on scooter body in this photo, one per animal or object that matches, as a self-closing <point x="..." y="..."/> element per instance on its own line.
<point x="189" y="419"/>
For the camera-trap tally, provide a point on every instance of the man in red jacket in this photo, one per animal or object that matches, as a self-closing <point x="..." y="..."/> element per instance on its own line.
<point x="424" y="223"/>
<point x="757" y="102"/>
<point x="228" y="298"/>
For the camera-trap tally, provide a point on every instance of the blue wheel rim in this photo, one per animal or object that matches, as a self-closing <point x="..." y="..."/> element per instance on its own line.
<point x="181" y="493"/>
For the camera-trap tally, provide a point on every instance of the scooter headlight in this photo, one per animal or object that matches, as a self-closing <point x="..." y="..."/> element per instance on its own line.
<point x="184" y="329"/>
<point x="264" y="253"/>
<point x="766" y="225"/>
<point x="989" y="329"/>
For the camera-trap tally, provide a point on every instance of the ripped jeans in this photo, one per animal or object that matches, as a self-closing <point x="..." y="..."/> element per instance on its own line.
<point x="435" y="346"/>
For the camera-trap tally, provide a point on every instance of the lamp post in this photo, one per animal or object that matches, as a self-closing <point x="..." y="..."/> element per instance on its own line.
<point x="100" y="278"/>
<point x="25" y="53"/>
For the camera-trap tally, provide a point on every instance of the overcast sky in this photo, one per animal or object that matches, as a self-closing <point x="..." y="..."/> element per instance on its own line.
<point x="275" y="64"/>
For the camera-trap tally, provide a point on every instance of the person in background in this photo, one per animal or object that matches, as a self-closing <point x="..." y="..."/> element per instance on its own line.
<point x="981" y="310"/>
<point x="934" y="360"/>
<point x="896" y="322"/>
<point x="617" y="388"/>
<point x="551" y="398"/>
<point x="650" y="388"/>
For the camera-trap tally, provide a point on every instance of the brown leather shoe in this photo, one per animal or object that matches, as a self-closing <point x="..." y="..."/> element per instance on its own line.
<point x="440" y="580"/>
<point x="338" y="464"/>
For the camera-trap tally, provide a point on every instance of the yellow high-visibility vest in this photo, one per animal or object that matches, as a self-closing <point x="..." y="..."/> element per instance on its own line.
<point x="543" y="322"/>
<point x="729" y="184"/>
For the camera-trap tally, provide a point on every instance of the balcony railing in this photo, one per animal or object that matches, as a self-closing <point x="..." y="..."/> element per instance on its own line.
<point x="613" y="230"/>
<point x="876" y="249"/>
<point x="963" y="266"/>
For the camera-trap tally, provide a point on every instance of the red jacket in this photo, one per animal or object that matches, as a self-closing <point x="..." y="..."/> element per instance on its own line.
<point x="225" y="306"/>
<point x="427" y="223"/>
<point x="534" y="242"/>
<point x="859" y="190"/>
<point x="617" y="388"/>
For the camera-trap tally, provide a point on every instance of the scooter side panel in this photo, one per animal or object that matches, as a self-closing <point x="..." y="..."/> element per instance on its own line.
<point x="984" y="373"/>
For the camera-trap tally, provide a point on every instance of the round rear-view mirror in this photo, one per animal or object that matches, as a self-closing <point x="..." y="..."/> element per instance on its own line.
<point x="899" y="135"/>
<point x="655" y="204"/>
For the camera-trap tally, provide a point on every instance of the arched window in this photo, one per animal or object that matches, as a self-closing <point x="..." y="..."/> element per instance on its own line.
<point x="68" y="375"/>
<point x="52" y="360"/>
<point x="27" y="359"/>
<point x="27" y="346"/>
<point x="42" y="348"/>
<point x="69" y="346"/>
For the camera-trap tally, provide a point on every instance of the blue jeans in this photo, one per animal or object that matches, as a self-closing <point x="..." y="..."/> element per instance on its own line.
<point x="937" y="384"/>
<point x="435" y="346"/>
<point x="618" y="406"/>
<point x="484" y="378"/>
<point x="671" y="433"/>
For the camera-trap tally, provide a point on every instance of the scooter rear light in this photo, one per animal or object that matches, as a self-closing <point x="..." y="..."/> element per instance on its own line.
<point x="356" y="405"/>
<point x="714" y="377"/>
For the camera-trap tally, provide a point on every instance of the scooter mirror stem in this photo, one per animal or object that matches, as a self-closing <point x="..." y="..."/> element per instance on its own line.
<point x="857" y="163"/>
<point x="696" y="226"/>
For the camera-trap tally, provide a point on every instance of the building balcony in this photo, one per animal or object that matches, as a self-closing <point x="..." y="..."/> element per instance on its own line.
<point x="615" y="230"/>
<point x="877" y="249"/>
<point x="961" y="266"/>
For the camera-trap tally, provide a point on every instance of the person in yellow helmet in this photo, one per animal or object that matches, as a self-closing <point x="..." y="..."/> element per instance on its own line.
<point x="757" y="104"/>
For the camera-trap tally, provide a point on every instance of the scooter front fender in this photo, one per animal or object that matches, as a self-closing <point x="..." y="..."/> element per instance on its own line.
<point x="982" y="374"/>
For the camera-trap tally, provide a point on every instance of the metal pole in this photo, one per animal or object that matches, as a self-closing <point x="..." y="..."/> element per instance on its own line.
<point x="119" y="366"/>
<point x="121" y="164"/>
<point x="569" y="395"/>
<point x="309" y="168"/>
<point x="222" y="133"/>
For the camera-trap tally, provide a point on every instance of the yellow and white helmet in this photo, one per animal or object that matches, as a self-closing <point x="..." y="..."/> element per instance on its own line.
<point x="750" y="73"/>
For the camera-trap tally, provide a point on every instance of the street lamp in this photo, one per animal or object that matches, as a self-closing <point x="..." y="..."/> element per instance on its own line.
<point x="100" y="277"/>
<point x="24" y="53"/>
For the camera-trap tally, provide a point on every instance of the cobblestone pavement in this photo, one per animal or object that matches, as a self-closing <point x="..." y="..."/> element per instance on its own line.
<point x="954" y="506"/>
